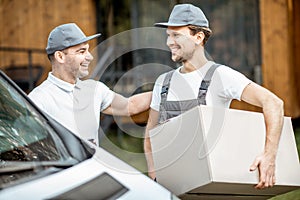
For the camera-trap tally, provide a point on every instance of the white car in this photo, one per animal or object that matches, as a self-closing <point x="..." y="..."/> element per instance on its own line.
<point x="40" y="159"/>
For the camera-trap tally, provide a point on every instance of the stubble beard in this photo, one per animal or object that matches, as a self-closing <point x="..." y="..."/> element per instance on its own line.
<point x="183" y="58"/>
<point x="83" y="73"/>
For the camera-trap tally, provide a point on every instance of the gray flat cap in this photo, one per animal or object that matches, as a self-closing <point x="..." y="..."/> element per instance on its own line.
<point x="65" y="36"/>
<point x="185" y="14"/>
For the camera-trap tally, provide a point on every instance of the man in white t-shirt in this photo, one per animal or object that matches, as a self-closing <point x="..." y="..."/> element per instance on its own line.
<point x="199" y="81"/>
<point x="74" y="103"/>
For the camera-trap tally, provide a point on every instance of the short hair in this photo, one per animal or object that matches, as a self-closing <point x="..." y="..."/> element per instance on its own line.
<point x="196" y="29"/>
<point x="51" y="57"/>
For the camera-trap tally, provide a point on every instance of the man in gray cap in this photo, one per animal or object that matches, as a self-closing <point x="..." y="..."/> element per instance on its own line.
<point x="200" y="81"/>
<point x="74" y="103"/>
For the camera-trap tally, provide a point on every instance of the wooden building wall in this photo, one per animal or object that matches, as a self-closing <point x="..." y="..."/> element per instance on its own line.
<point x="280" y="64"/>
<point x="296" y="51"/>
<point x="280" y="42"/>
<point x="27" y="24"/>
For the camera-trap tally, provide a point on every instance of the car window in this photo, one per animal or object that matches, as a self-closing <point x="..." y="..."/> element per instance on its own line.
<point x="30" y="144"/>
<point x="24" y="135"/>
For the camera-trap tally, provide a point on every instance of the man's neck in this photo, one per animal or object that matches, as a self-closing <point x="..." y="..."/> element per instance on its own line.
<point x="190" y="67"/>
<point x="64" y="77"/>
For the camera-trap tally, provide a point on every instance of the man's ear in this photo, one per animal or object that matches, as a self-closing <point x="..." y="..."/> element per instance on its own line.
<point x="200" y="37"/>
<point x="59" y="56"/>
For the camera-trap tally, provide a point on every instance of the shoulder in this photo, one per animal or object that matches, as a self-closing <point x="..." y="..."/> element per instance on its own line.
<point x="230" y="77"/>
<point x="102" y="91"/>
<point x="102" y="87"/>
<point x="231" y="80"/>
<point x="225" y="71"/>
<point x="40" y="93"/>
<point x="91" y="84"/>
<point x="161" y="77"/>
<point x="40" y="90"/>
<point x="86" y="83"/>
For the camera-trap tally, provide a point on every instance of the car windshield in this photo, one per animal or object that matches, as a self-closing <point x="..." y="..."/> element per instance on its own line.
<point x="25" y="136"/>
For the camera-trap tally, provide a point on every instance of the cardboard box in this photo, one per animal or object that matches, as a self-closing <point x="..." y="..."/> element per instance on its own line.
<point x="208" y="152"/>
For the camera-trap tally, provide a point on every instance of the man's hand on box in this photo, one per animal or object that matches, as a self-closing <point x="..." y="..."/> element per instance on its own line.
<point x="266" y="167"/>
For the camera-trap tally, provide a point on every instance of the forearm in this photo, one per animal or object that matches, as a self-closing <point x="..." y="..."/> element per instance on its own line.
<point x="122" y="106"/>
<point x="273" y="115"/>
<point x="148" y="154"/>
<point x="139" y="103"/>
<point x="152" y="122"/>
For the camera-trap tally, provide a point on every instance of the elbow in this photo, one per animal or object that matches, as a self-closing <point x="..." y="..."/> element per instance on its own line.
<point x="279" y="104"/>
<point x="131" y="108"/>
<point x="135" y="106"/>
<point x="272" y="104"/>
<point x="139" y="103"/>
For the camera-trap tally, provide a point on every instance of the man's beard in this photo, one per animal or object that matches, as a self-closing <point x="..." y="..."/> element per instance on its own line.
<point x="184" y="57"/>
<point x="179" y="59"/>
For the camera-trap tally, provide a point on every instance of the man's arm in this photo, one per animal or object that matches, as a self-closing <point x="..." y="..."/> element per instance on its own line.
<point x="135" y="104"/>
<point x="273" y="113"/>
<point x="152" y="122"/>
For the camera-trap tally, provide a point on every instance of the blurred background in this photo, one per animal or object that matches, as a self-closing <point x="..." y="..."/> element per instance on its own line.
<point x="260" y="38"/>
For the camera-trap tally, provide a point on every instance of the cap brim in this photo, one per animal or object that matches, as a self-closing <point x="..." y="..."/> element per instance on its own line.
<point x="87" y="39"/>
<point x="166" y="24"/>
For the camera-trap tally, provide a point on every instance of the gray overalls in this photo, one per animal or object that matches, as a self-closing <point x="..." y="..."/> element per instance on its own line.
<point x="169" y="109"/>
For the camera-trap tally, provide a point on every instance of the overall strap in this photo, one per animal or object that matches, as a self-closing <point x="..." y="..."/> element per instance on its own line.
<point x="205" y="84"/>
<point x="164" y="94"/>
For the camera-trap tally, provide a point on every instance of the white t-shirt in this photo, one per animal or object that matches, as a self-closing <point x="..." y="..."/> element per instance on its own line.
<point x="77" y="107"/>
<point x="226" y="84"/>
